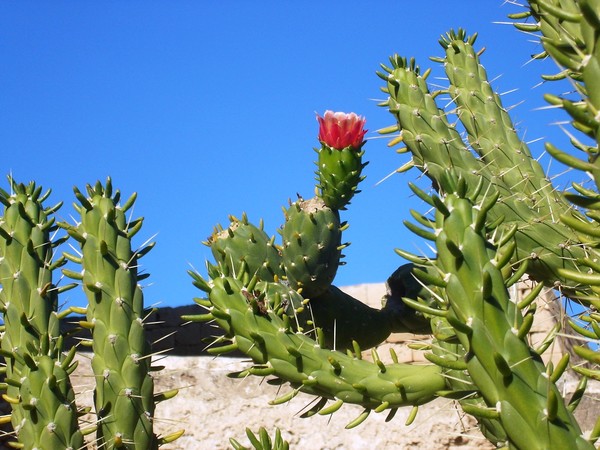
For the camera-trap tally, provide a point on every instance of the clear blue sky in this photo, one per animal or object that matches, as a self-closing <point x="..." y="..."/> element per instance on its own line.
<point x="208" y="108"/>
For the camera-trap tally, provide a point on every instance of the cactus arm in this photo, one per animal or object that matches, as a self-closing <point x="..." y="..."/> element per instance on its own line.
<point x="123" y="397"/>
<point x="446" y="346"/>
<point x="44" y="411"/>
<point x="510" y="377"/>
<point x="312" y="245"/>
<point x="435" y="146"/>
<point x="489" y="128"/>
<point x="563" y="30"/>
<point x="278" y="350"/>
<point x="575" y="46"/>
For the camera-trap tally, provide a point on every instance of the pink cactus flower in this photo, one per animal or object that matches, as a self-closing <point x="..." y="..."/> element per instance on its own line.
<point x="340" y="130"/>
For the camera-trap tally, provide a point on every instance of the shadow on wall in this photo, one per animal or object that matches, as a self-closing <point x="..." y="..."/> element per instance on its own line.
<point x="165" y="330"/>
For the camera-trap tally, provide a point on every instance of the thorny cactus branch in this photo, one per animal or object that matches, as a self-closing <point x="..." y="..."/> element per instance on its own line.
<point x="252" y="319"/>
<point x="569" y="34"/>
<point x="124" y="395"/>
<point x="509" y="375"/>
<point x="495" y="160"/>
<point x="44" y="413"/>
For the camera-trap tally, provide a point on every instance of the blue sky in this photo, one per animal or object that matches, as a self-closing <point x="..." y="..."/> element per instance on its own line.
<point x="207" y="109"/>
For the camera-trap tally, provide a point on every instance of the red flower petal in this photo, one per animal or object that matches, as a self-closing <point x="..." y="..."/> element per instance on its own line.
<point x="340" y="130"/>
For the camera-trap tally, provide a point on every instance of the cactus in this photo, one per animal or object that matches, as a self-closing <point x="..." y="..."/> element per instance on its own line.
<point x="494" y="217"/>
<point x="508" y="374"/>
<point x="44" y="413"/>
<point x="124" y="395"/>
<point x="497" y="218"/>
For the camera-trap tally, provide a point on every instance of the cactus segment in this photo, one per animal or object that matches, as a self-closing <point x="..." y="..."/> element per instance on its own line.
<point x="50" y="416"/>
<point x="506" y="371"/>
<point x="244" y="242"/>
<point x="338" y="175"/>
<point x="312" y="246"/>
<point x="44" y="411"/>
<point x="123" y="397"/>
<point x="273" y="343"/>
<point x="492" y="163"/>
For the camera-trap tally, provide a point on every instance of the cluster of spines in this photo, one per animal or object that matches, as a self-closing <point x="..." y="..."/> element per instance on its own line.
<point x="44" y="413"/>
<point x="124" y="394"/>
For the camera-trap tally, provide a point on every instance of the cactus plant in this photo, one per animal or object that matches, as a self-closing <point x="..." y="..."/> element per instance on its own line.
<point x="44" y="413"/>
<point x="493" y="196"/>
<point x="494" y="217"/>
<point x="124" y="395"/>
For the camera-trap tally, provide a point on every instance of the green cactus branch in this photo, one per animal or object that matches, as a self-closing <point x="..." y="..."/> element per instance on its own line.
<point x="278" y="350"/>
<point x="495" y="160"/>
<point x="573" y="43"/>
<point x="44" y="413"/>
<point x="124" y="395"/>
<point x="509" y="375"/>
